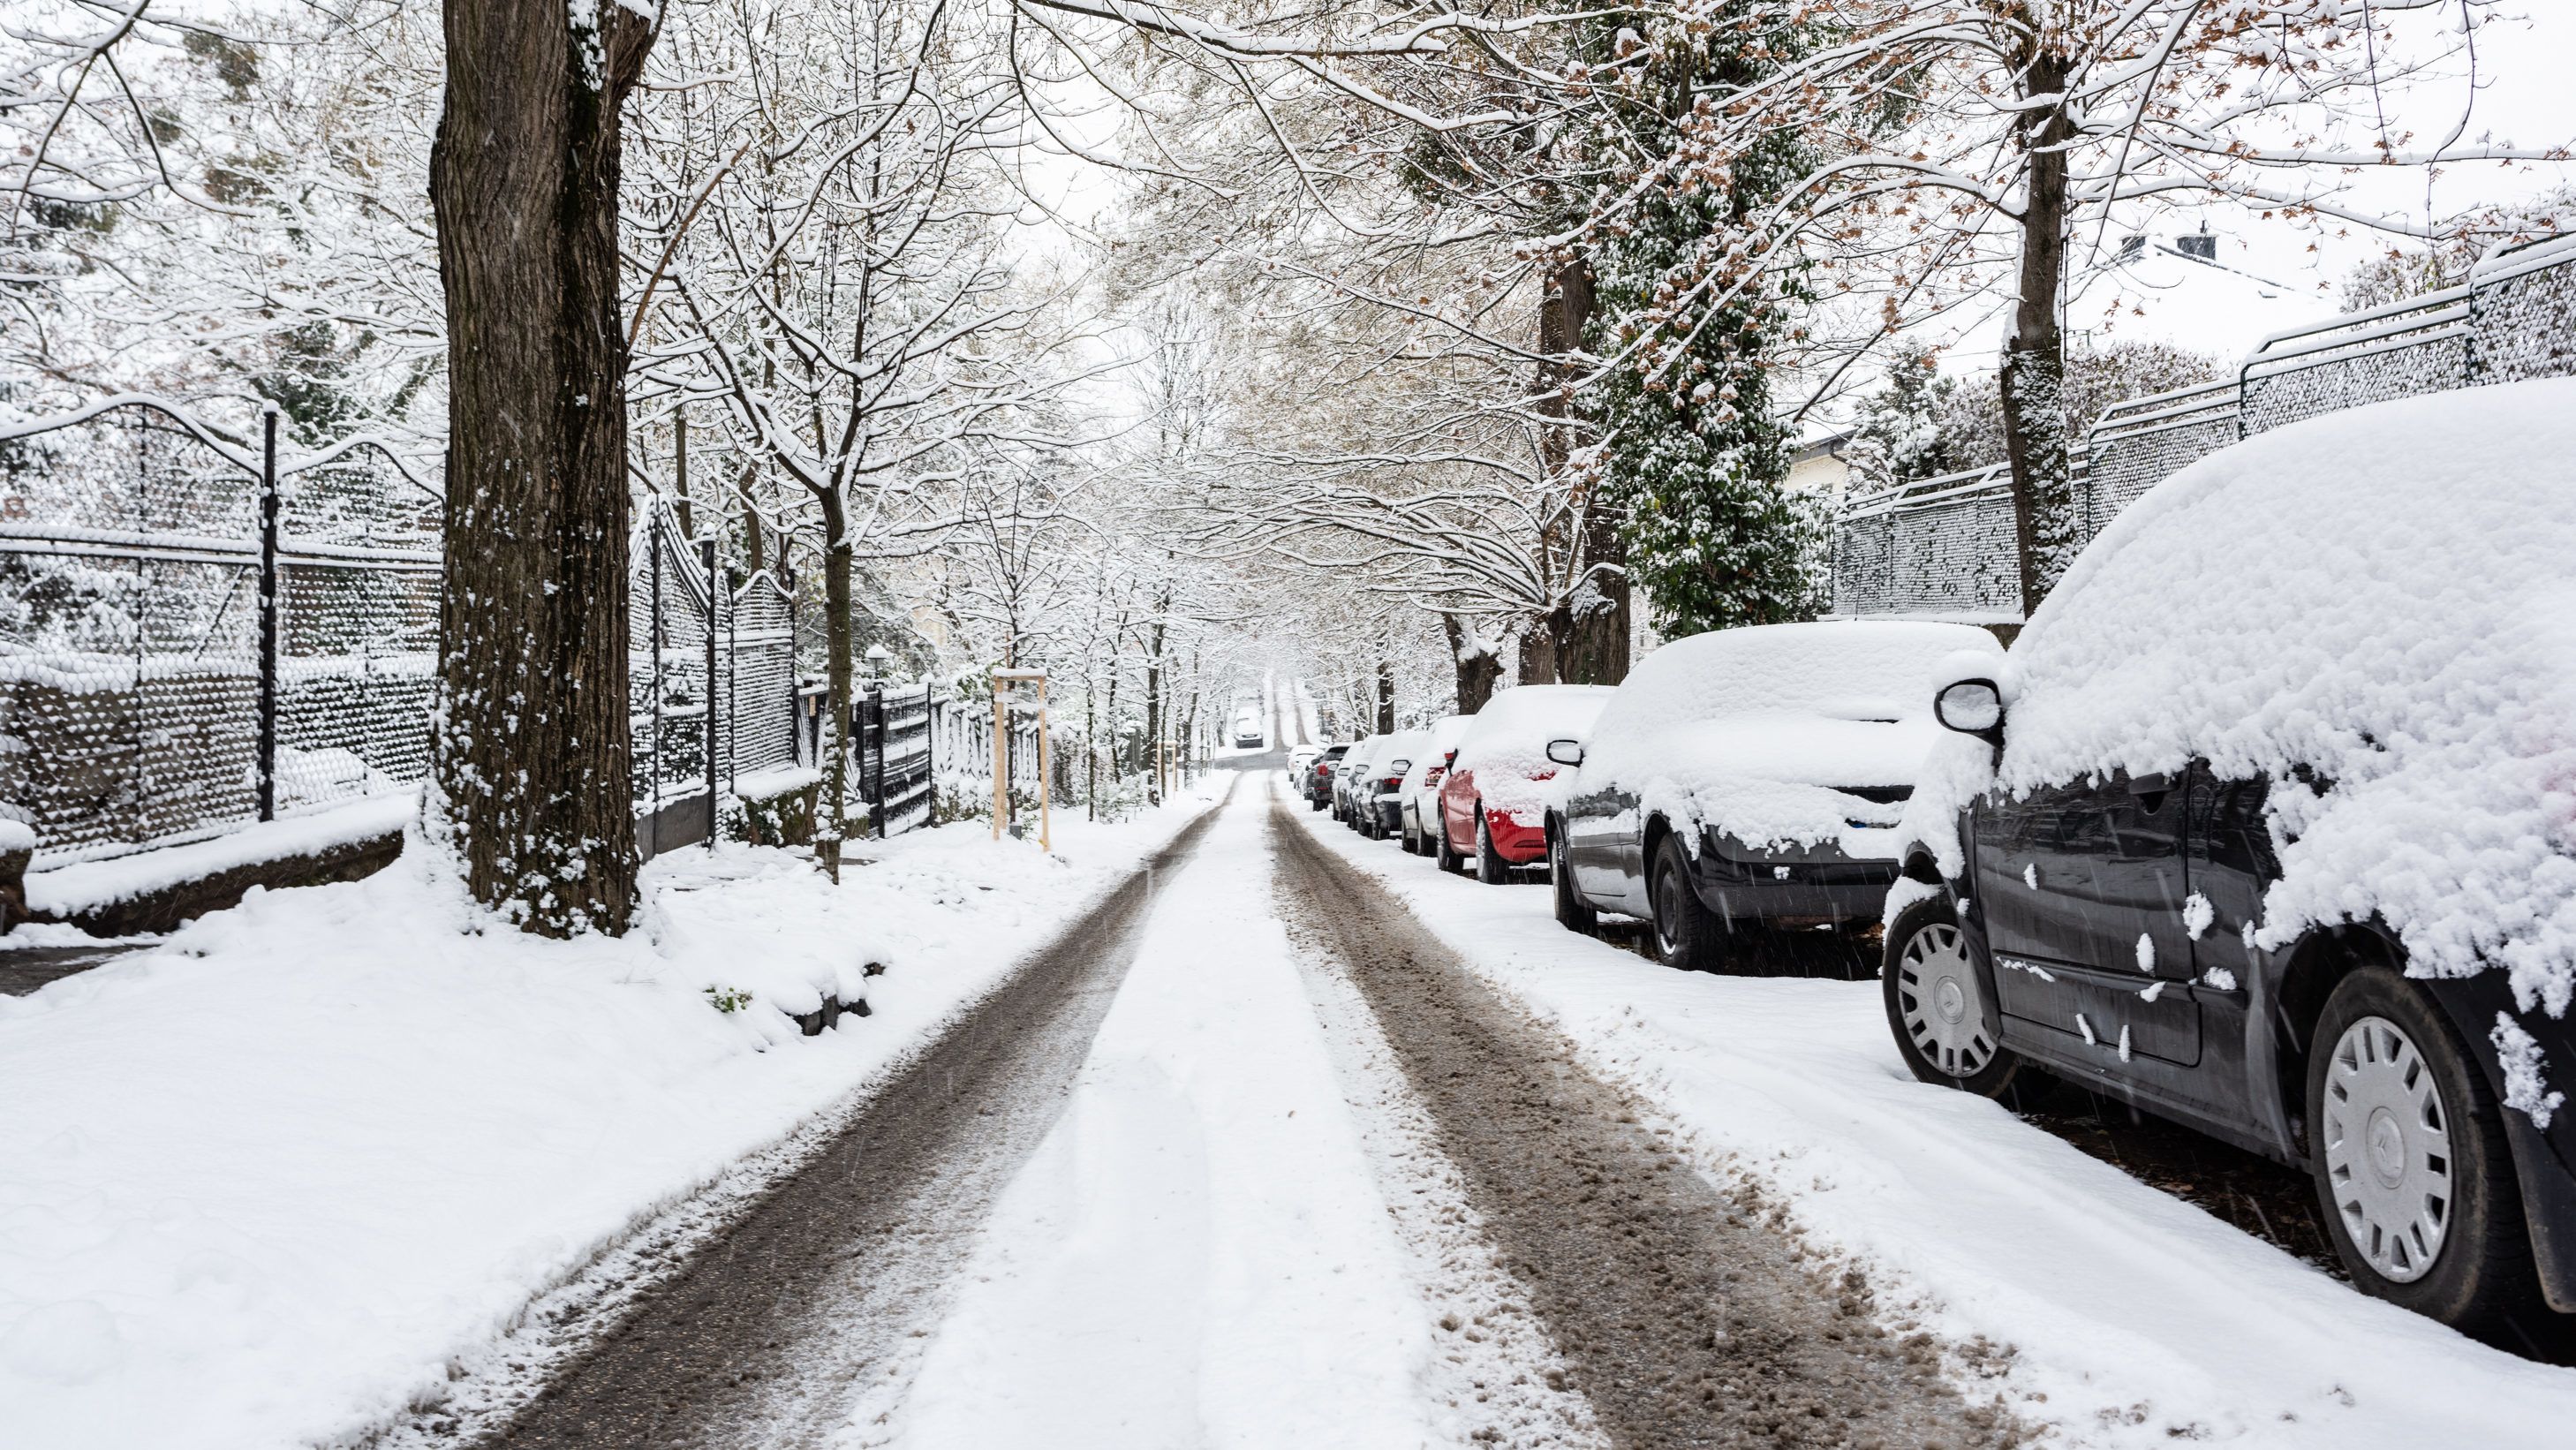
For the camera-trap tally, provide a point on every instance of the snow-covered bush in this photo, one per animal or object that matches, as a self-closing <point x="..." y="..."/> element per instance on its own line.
<point x="2374" y="604"/>
<point x="1755" y="731"/>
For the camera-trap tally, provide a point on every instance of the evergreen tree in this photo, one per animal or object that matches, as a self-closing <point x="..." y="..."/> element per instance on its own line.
<point x="1690" y="310"/>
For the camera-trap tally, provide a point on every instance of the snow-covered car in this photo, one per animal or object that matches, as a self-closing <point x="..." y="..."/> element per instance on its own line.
<point x="1751" y="777"/>
<point x="1493" y="805"/>
<point x="2268" y="825"/>
<point x="1248" y="736"/>
<point x="1315" y="782"/>
<point x="1380" y="793"/>
<point x="1350" y="777"/>
<point x="1418" y="799"/>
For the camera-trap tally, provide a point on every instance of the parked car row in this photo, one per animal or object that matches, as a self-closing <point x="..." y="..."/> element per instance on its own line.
<point x="2265" y="824"/>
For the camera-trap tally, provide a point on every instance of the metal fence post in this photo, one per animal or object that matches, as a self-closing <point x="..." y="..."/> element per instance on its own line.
<point x="653" y="552"/>
<point x="879" y="726"/>
<point x="268" y="603"/>
<point x="707" y="558"/>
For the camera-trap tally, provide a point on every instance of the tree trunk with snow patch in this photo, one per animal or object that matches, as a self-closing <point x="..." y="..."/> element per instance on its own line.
<point x="530" y="754"/>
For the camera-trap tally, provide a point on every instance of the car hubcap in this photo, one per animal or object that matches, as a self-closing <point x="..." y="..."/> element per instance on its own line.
<point x="2387" y="1149"/>
<point x="1667" y="911"/>
<point x="1943" y="1008"/>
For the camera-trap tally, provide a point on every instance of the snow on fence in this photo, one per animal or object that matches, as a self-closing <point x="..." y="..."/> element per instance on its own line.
<point x="1944" y="547"/>
<point x="198" y="633"/>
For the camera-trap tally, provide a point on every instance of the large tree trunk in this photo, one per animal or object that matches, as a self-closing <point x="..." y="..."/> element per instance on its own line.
<point x="530" y="760"/>
<point x="1587" y="636"/>
<point x="833" y="827"/>
<point x="2034" y="367"/>
<point x="1478" y="670"/>
<point x="1537" y="653"/>
<point x="1385" y="698"/>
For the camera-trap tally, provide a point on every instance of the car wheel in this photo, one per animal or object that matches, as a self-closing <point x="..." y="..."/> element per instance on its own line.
<point x="2408" y="1150"/>
<point x="1450" y="860"/>
<point x="1489" y="862"/>
<point x="1572" y="911"/>
<point x="1941" y="1004"/>
<point x="1687" y="934"/>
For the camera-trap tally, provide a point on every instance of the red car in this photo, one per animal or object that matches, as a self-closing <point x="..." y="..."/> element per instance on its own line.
<point x="1491" y="806"/>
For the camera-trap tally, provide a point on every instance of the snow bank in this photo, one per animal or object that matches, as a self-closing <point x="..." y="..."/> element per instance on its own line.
<point x="1507" y="746"/>
<point x="89" y="885"/>
<point x="1749" y="730"/>
<point x="2381" y="596"/>
<point x="258" y="1185"/>
<point x="2114" y="1314"/>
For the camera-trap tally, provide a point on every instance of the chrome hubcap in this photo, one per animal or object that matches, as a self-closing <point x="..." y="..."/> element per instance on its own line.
<point x="1943" y="1008"/>
<point x="2387" y="1140"/>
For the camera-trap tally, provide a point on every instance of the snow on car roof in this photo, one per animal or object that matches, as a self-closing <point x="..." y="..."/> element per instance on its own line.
<point x="2382" y="595"/>
<point x="1506" y="748"/>
<point x="1750" y="731"/>
<point x="1439" y="739"/>
<point x="1526" y="717"/>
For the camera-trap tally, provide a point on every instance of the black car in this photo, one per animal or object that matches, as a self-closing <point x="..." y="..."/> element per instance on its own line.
<point x="1378" y="801"/>
<point x="1317" y="786"/>
<point x="2259" y="827"/>
<point x="2099" y="932"/>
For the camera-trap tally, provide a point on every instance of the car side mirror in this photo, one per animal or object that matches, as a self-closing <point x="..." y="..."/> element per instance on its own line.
<point x="1565" y="752"/>
<point x="1971" y="707"/>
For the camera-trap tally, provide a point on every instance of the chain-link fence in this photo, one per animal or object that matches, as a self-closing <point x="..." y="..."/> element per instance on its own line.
<point x="197" y="634"/>
<point x="1945" y="546"/>
<point x="194" y="636"/>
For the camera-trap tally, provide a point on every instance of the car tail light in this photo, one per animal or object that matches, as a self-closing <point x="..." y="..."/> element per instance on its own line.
<point x="1393" y="781"/>
<point x="1432" y="776"/>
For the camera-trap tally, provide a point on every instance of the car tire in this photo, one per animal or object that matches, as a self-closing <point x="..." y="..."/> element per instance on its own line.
<point x="1450" y="860"/>
<point x="2398" y="1111"/>
<point x="1941" y="1004"/>
<point x="1490" y="867"/>
<point x="1572" y="911"/>
<point x="1687" y="934"/>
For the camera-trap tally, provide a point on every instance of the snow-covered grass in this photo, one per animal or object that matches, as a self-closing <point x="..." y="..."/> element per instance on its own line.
<point x="2133" y="1318"/>
<point x="258" y="1185"/>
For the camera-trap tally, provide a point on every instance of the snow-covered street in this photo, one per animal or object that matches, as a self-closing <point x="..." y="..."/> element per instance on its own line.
<point x="1297" y="1141"/>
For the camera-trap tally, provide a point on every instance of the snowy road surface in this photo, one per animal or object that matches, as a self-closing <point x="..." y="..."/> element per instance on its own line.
<point x="1240" y="1224"/>
<point x="1292" y="1140"/>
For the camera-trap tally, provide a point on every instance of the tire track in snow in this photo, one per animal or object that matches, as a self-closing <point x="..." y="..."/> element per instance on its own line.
<point x="1687" y="1320"/>
<point x="755" y="1315"/>
<point x="1496" y="1371"/>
